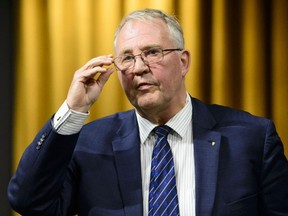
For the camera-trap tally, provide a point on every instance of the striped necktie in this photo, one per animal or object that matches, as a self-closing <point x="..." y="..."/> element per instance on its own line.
<point x="163" y="199"/>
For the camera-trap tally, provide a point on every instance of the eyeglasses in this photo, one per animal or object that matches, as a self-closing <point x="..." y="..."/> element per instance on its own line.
<point x="153" y="55"/>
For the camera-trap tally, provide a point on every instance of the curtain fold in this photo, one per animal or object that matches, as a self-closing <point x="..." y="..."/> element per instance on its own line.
<point x="279" y="69"/>
<point x="255" y="52"/>
<point x="238" y="49"/>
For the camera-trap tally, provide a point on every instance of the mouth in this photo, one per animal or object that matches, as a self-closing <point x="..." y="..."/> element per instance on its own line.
<point x="144" y="86"/>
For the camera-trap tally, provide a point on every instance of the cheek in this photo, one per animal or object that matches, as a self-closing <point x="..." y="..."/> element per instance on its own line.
<point x="169" y="76"/>
<point x="172" y="83"/>
<point x="125" y="81"/>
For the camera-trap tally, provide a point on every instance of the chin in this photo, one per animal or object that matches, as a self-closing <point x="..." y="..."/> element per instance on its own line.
<point x="147" y="103"/>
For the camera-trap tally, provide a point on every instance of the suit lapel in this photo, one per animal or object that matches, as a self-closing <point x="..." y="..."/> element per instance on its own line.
<point x="126" y="147"/>
<point x="207" y="148"/>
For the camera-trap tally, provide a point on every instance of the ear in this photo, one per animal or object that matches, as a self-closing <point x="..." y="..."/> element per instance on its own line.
<point x="185" y="61"/>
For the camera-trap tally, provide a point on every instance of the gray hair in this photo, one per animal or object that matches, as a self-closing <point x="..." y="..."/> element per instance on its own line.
<point x="175" y="29"/>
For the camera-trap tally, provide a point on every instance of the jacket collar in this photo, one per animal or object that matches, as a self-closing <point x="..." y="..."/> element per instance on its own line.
<point x="126" y="147"/>
<point x="207" y="144"/>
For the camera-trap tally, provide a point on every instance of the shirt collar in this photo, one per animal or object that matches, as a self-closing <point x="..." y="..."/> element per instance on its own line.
<point x="179" y="123"/>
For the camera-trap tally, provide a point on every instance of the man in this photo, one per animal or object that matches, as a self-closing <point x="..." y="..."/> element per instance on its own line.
<point x="223" y="161"/>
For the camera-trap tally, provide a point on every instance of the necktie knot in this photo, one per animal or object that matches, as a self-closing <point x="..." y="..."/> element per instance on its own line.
<point x="162" y="131"/>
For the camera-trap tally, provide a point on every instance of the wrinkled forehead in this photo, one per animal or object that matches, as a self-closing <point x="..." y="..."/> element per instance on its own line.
<point x="135" y="18"/>
<point x="142" y="33"/>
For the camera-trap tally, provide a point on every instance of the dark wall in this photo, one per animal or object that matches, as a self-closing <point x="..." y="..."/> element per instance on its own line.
<point x="6" y="99"/>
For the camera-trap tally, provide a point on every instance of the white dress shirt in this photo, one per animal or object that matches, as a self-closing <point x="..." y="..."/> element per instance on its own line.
<point x="67" y="121"/>
<point x="181" y="143"/>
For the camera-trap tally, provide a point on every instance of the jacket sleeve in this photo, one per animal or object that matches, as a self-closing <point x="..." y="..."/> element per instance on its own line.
<point x="43" y="183"/>
<point x="274" y="186"/>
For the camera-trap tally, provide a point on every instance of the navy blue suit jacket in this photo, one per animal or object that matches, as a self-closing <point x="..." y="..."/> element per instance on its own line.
<point x="97" y="172"/>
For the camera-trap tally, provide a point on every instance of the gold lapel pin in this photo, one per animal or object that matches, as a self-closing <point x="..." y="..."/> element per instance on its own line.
<point x="213" y="143"/>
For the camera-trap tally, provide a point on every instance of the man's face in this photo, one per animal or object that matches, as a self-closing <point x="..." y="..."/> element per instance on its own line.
<point x="157" y="86"/>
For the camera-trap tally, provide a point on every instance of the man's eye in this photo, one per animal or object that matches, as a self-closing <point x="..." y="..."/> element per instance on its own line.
<point x="152" y="52"/>
<point x="127" y="58"/>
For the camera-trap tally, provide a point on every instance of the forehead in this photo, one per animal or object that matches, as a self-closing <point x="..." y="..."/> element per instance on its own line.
<point x="138" y="34"/>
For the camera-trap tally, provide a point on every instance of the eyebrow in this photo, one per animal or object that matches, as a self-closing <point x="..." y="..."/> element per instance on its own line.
<point x="127" y="51"/>
<point x="130" y="51"/>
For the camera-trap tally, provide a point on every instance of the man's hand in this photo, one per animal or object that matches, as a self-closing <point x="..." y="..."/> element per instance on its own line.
<point x="85" y="89"/>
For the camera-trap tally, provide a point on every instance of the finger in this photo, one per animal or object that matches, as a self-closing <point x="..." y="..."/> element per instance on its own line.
<point x="99" y="61"/>
<point x="103" y="77"/>
<point x="90" y="73"/>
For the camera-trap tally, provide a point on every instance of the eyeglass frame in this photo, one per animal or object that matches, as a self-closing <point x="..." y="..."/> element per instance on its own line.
<point x="141" y="56"/>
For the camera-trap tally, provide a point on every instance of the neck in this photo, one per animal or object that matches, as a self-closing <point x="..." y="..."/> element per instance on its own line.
<point x="161" y="115"/>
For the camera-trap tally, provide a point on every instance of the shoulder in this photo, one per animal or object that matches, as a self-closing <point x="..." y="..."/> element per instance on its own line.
<point x="228" y="115"/>
<point x="99" y="134"/>
<point x="111" y="122"/>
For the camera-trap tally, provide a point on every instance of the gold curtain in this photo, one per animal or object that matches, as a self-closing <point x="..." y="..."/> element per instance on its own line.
<point x="239" y="54"/>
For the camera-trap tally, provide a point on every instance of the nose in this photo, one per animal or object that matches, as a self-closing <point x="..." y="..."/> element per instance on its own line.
<point x="140" y="66"/>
